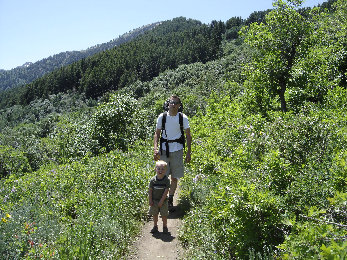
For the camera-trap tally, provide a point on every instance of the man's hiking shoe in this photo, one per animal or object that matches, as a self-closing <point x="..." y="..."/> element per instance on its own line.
<point x="165" y="230"/>
<point x="170" y="203"/>
<point x="154" y="230"/>
<point x="171" y="208"/>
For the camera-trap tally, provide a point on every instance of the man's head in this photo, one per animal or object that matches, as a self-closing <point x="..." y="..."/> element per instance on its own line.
<point x="160" y="168"/>
<point x="174" y="104"/>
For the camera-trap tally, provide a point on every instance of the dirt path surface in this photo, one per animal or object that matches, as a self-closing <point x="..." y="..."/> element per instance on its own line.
<point x="159" y="245"/>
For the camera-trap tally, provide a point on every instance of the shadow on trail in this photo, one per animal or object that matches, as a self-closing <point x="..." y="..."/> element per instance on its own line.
<point x="179" y="211"/>
<point x="176" y="213"/>
<point x="164" y="237"/>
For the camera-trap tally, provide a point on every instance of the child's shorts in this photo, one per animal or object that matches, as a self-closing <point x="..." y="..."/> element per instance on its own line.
<point x="164" y="210"/>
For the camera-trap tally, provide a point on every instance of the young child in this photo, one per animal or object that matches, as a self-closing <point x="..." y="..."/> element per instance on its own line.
<point x="157" y="195"/>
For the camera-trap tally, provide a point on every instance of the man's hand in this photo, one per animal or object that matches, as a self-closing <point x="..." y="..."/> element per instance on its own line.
<point x="156" y="155"/>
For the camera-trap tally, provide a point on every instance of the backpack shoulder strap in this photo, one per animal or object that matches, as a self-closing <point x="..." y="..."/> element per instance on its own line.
<point x="163" y="121"/>
<point x="180" y="119"/>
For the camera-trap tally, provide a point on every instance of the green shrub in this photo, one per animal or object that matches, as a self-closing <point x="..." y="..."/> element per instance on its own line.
<point x="118" y="123"/>
<point x="13" y="161"/>
<point x="86" y="209"/>
<point x="229" y="218"/>
<point x="319" y="233"/>
<point x="250" y="174"/>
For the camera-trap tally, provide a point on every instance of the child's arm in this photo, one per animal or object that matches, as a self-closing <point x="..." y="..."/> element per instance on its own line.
<point x="163" y="198"/>
<point x="150" y="200"/>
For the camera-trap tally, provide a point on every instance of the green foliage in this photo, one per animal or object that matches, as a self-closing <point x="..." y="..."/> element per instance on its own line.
<point x="86" y="209"/>
<point x="276" y="42"/>
<point x="13" y="162"/>
<point x="193" y="83"/>
<point x="262" y="184"/>
<point x="336" y="98"/>
<point x="323" y="67"/>
<point x="296" y="58"/>
<point x="233" y="26"/>
<point x="65" y="135"/>
<point x="46" y="109"/>
<point x="117" y="123"/>
<point x="26" y="140"/>
<point x="316" y="235"/>
<point x="39" y="129"/>
<point x="72" y="137"/>
<point x="259" y="172"/>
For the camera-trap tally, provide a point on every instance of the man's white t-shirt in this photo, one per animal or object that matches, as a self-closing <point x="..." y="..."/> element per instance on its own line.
<point x="172" y="130"/>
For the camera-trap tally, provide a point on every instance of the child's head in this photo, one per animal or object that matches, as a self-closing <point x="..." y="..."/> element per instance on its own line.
<point x="160" y="167"/>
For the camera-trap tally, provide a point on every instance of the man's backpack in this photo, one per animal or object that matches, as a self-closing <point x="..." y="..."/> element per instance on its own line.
<point x="180" y="140"/>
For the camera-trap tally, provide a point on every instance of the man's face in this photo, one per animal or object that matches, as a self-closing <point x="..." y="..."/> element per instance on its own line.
<point x="174" y="104"/>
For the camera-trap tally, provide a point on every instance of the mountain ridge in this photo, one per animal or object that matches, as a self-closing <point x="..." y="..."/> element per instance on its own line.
<point x="30" y="71"/>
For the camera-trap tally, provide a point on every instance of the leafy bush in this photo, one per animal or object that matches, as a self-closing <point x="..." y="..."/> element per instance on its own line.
<point x="118" y="123"/>
<point x="318" y="233"/>
<point x="251" y="174"/>
<point x="72" y="137"/>
<point x="231" y="218"/>
<point x="13" y="161"/>
<point x="86" y="209"/>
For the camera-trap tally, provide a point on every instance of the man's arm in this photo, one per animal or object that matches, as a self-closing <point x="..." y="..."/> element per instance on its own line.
<point x="156" y="142"/>
<point x="189" y="145"/>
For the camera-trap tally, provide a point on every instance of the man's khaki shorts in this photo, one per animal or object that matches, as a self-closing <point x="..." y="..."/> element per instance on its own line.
<point x="175" y="165"/>
<point x="164" y="210"/>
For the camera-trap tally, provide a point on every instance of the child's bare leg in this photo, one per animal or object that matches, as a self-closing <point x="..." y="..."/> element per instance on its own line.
<point x="155" y="227"/>
<point x="164" y="218"/>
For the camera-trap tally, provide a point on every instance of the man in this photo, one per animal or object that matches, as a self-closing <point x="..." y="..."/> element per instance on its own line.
<point x="172" y="143"/>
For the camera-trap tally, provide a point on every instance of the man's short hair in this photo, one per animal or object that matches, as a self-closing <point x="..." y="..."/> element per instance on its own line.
<point x="175" y="96"/>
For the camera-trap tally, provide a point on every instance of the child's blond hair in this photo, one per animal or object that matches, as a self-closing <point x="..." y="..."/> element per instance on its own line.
<point x="160" y="162"/>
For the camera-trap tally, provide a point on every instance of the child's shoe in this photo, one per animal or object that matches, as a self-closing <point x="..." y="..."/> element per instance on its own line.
<point x="165" y="230"/>
<point x="154" y="230"/>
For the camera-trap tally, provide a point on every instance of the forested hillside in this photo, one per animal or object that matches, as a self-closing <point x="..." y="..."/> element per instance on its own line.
<point x="267" y="110"/>
<point x="29" y="71"/>
<point x="175" y="42"/>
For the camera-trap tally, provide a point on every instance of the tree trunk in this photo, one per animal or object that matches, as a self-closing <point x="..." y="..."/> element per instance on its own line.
<point x="282" y="98"/>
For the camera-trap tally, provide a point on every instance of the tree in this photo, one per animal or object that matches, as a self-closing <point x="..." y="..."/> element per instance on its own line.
<point x="113" y="123"/>
<point x="276" y="43"/>
<point x="323" y="67"/>
<point x="298" y="55"/>
<point x="233" y="26"/>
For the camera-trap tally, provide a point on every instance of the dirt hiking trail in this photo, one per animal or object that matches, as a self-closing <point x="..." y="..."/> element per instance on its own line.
<point x="159" y="245"/>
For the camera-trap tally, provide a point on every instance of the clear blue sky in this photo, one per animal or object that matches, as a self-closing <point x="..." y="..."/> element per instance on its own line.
<point x="31" y="30"/>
